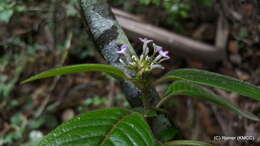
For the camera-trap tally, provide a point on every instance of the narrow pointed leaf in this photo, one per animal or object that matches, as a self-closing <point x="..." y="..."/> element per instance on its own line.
<point x="77" y="69"/>
<point x="107" y="127"/>
<point x="187" y="143"/>
<point x="214" y="80"/>
<point x="190" y="89"/>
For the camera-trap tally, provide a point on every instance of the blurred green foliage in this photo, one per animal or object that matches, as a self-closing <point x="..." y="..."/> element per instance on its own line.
<point x="177" y="10"/>
<point x="96" y="101"/>
<point x="8" y="8"/>
<point x="8" y="81"/>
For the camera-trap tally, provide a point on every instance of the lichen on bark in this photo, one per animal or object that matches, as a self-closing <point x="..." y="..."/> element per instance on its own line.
<point x="109" y="36"/>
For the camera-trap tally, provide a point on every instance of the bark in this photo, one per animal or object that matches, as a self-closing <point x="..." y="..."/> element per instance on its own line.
<point x="108" y="37"/>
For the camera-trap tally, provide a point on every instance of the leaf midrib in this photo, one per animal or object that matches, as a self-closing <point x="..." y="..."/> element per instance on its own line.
<point x="109" y="133"/>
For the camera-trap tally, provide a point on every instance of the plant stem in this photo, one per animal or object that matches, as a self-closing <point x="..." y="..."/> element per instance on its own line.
<point x="145" y="100"/>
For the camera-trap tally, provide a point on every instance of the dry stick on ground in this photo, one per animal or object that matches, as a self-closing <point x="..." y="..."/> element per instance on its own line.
<point x="222" y="33"/>
<point x="182" y="46"/>
<point x="108" y="36"/>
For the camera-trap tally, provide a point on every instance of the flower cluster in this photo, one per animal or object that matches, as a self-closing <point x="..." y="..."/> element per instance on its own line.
<point x="144" y="63"/>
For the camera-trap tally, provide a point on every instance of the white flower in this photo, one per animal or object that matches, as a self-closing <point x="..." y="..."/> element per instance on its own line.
<point x="163" y="55"/>
<point x="145" y="45"/>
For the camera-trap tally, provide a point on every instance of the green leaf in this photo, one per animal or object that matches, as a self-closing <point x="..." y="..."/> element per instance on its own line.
<point x="6" y="15"/>
<point x="190" y="89"/>
<point x="214" y="80"/>
<point x="107" y="127"/>
<point x="187" y="142"/>
<point x="77" y="69"/>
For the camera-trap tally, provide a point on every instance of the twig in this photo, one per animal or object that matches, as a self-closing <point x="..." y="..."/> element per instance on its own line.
<point x="222" y="33"/>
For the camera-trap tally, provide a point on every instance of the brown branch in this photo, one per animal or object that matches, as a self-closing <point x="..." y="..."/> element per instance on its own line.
<point x="182" y="46"/>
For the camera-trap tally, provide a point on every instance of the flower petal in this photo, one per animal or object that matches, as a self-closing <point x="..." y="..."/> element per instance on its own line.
<point x="153" y="66"/>
<point x="122" y="50"/>
<point x="145" y="40"/>
<point x="157" y="48"/>
<point x="164" y="53"/>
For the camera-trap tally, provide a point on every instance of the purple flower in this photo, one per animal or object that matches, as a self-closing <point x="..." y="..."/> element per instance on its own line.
<point x="122" y="50"/>
<point x="157" y="48"/>
<point x="145" y="40"/>
<point x="163" y="55"/>
<point x="145" y="46"/>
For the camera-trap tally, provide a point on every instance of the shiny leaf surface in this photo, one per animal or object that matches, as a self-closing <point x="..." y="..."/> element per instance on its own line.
<point x="115" y="72"/>
<point x="107" y="127"/>
<point x="190" y="89"/>
<point x="214" y="80"/>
